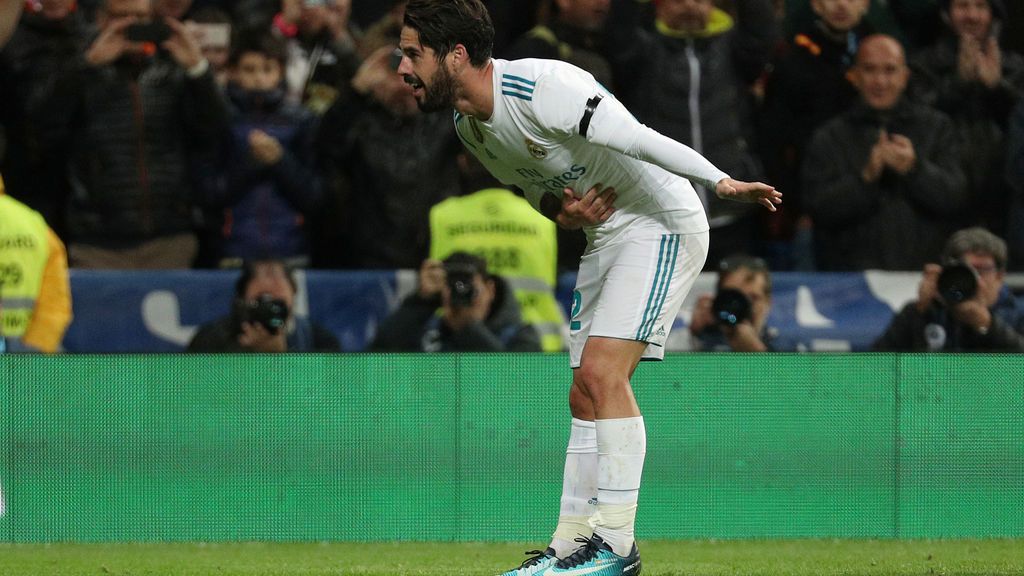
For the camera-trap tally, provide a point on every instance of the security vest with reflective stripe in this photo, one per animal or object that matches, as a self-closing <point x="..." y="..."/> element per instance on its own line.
<point x="518" y="244"/>
<point x="23" y="253"/>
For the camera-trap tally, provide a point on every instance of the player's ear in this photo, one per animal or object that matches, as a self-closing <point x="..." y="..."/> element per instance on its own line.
<point x="459" y="54"/>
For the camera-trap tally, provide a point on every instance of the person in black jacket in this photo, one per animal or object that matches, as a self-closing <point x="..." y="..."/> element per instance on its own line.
<point x="949" y="318"/>
<point x="262" y="318"/>
<point x="883" y="181"/>
<point x="479" y="312"/>
<point x="48" y="39"/>
<point x="134" y="114"/>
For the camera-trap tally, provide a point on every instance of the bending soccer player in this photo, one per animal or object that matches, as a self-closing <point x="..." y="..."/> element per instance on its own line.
<point x="552" y="130"/>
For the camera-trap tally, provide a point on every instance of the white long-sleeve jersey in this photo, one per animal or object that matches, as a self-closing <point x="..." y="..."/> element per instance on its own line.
<point x="554" y="126"/>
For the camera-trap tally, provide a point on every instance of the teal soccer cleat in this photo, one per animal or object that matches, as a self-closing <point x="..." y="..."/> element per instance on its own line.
<point x="536" y="565"/>
<point x="595" y="558"/>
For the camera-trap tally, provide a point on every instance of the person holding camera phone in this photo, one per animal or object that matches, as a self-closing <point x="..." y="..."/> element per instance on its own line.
<point x="134" y="114"/>
<point x="262" y="319"/>
<point x="735" y="318"/>
<point x="963" y="305"/>
<point x="478" y="312"/>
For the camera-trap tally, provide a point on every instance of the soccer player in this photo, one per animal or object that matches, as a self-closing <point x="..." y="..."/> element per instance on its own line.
<point x="552" y="130"/>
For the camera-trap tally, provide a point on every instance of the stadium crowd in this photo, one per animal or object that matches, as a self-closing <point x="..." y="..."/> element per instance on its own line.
<point x="178" y="134"/>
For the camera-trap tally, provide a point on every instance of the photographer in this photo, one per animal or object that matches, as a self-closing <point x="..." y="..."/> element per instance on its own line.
<point x="478" y="313"/>
<point x="963" y="306"/>
<point x="261" y="318"/>
<point x="735" y="318"/>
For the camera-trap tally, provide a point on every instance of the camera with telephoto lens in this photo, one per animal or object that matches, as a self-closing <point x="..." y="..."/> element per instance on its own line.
<point x="730" y="307"/>
<point x="267" y="311"/>
<point x="459" y="277"/>
<point x="957" y="282"/>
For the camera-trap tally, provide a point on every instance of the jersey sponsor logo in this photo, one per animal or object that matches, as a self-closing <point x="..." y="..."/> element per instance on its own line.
<point x="535" y="150"/>
<point x="553" y="184"/>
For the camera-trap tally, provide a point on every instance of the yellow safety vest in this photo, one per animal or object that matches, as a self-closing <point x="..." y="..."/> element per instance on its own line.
<point x="24" y="250"/>
<point x="518" y="244"/>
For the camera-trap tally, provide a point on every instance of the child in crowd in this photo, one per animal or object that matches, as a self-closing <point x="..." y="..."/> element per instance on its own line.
<point x="264" y="181"/>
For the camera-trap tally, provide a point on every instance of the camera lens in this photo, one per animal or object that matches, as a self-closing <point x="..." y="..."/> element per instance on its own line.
<point x="731" y="307"/>
<point x="957" y="282"/>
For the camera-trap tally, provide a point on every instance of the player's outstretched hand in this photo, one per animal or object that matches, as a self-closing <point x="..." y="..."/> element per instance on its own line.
<point x="596" y="206"/>
<point x="740" y="191"/>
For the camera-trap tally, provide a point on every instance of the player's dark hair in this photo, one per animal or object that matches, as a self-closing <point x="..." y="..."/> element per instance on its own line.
<point x="442" y="24"/>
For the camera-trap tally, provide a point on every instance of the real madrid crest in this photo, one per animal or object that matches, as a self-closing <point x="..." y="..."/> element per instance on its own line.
<point x="535" y="150"/>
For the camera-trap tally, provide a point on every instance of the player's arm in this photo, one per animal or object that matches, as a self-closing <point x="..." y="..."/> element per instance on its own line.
<point x="572" y="105"/>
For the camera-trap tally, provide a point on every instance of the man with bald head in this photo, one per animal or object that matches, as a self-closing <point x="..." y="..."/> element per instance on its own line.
<point x="882" y="181"/>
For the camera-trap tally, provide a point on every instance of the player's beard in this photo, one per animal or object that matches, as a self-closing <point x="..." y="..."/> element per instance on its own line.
<point x="441" y="94"/>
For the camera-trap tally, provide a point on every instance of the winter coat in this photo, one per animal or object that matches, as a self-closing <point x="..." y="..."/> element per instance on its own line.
<point x="695" y="88"/>
<point x="265" y="206"/>
<point x="133" y="130"/>
<point x="384" y="173"/>
<point x="898" y="222"/>
<point x="30" y="63"/>
<point x="980" y="115"/>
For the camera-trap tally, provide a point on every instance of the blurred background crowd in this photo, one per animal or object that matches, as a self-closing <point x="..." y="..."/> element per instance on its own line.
<point x="172" y="134"/>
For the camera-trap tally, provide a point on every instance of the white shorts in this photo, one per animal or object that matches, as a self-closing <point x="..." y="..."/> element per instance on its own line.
<point x="632" y="289"/>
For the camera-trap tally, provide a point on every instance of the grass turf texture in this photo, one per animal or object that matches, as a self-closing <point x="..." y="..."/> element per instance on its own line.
<point x="661" y="558"/>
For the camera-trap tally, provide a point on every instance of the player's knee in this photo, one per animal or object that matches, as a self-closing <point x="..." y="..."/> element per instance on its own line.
<point x="580" y="404"/>
<point x="600" y="382"/>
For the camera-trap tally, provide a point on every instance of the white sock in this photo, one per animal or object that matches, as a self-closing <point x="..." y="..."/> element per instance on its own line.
<point x="622" y="443"/>
<point x="579" y="488"/>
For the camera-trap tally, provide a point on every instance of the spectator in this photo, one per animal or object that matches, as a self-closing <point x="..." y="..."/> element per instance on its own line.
<point x="478" y="312"/>
<point x="48" y="38"/>
<point x="516" y="241"/>
<point x="212" y="29"/>
<point x="735" y="318"/>
<point x="1015" y="176"/>
<point x="133" y="116"/>
<point x="953" y="319"/>
<point x="35" y="295"/>
<point x="807" y="86"/>
<point x="262" y="317"/>
<point x="386" y="164"/>
<point x="883" y="181"/>
<point x="321" y="50"/>
<point x="266" y="183"/>
<point x="689" y="78"/>
<point x="967" y="75"/>
<point x="575" y="35"/>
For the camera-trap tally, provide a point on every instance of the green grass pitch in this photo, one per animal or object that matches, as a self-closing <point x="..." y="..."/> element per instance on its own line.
<point x="661" y="558"/>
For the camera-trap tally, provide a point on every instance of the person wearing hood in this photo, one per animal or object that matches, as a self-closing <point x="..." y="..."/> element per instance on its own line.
<point x="49" y="37"/>
<point x="266" y="183"/>
<point x="134" y="112"/>
<point x="478" y="312"/>
<point x="689" y="77"/>
<point x="969" y="76"/>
